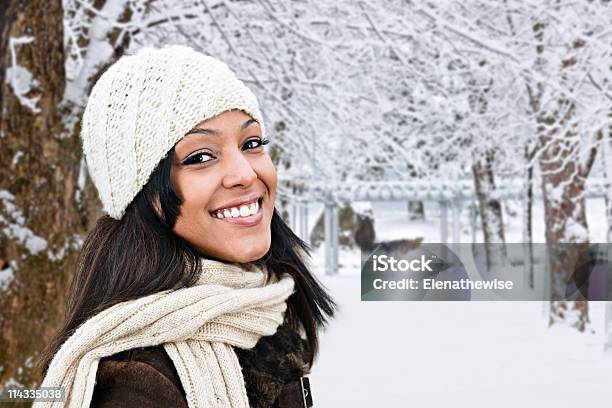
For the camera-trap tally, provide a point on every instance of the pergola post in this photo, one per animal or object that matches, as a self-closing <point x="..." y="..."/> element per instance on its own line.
<point x="294" y="224"/>
<point x="327" y="235"/>
<point x="456" y="228"/>
<point x="473" y="220"/>
<point x="443" y="222"/>
<point x="335" y="239"/>
<point x="304" y="222"/>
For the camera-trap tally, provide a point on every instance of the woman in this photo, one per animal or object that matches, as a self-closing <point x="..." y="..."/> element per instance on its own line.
<point x="192" y="291"/>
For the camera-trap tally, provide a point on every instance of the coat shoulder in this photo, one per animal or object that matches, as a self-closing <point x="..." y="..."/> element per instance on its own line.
<point x="144" y="377"/>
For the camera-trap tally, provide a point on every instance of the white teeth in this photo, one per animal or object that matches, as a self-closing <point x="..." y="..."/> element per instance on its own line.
<point x="242" y="211"/>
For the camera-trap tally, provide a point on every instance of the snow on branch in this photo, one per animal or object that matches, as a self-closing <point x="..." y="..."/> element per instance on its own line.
<point x="19" y="78"/>
<point x="15" y="227"/>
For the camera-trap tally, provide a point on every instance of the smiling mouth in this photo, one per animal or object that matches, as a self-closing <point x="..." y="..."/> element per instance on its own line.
<point x="244" y="211"/>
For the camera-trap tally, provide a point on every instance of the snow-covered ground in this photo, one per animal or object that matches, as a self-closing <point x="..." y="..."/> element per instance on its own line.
<point x="460" y="354"/>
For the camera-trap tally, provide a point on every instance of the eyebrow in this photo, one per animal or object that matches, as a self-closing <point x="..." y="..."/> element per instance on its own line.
<point x="213" y="132"/>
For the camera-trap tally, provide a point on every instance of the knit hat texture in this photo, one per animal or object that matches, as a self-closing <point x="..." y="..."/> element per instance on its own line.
<point x="142" y="105"/>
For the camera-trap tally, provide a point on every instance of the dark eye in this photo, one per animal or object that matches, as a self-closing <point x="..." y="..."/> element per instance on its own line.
<point x="201" y="157"/>
<point x="254" y="144"/>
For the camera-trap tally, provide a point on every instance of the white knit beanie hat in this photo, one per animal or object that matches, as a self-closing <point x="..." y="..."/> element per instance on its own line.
<point x="145" y="103"/>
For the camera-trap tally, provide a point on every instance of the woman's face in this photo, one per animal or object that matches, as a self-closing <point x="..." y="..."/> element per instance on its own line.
<point x="227" y="183"/>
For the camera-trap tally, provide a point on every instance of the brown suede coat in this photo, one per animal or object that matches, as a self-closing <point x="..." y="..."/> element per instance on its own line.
<point x="146" y="377"/>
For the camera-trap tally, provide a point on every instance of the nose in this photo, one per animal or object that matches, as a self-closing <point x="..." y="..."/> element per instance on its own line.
<point x="239" y="171"/>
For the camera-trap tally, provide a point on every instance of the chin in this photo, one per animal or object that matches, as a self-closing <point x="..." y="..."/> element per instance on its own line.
<point x="242" y="259"/>
<point x="251" y="255"/>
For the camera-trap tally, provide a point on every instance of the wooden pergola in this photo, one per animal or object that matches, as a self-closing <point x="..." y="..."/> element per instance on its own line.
<point x="449" y="195"/>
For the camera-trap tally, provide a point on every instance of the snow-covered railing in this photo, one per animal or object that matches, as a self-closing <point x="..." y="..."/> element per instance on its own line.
<point x="413" y="190"/>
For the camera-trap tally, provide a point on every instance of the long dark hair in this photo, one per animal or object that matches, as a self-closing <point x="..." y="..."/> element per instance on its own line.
<point x="139" y="255"/>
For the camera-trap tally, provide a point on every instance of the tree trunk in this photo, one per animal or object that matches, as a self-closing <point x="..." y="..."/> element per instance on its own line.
<point x="416" y="209"/>
<point x="36" y="238"/>
<point x="606" y="149"/>
<point x="44" y="211"/>
<point x="563" y="186"/>
<point x="528" y="217"/>
<point x="489" y="209"/>
<point x="563" y="182"/>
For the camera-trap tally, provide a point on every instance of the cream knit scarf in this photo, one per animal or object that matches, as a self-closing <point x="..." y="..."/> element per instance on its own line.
<point x="229" y="306"/>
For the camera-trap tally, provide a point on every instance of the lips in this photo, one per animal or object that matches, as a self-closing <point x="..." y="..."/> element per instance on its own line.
<point x="245" y="201"/>
<point x="249" y="214"/>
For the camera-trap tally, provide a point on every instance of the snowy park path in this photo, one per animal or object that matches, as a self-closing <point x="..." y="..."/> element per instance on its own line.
<point x="460" y="354"/>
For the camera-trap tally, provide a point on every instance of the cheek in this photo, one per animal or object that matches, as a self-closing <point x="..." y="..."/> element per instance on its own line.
<point x="267" y="173"/>
<point x="194" y="219"/>
<point x="196" y="194"/>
